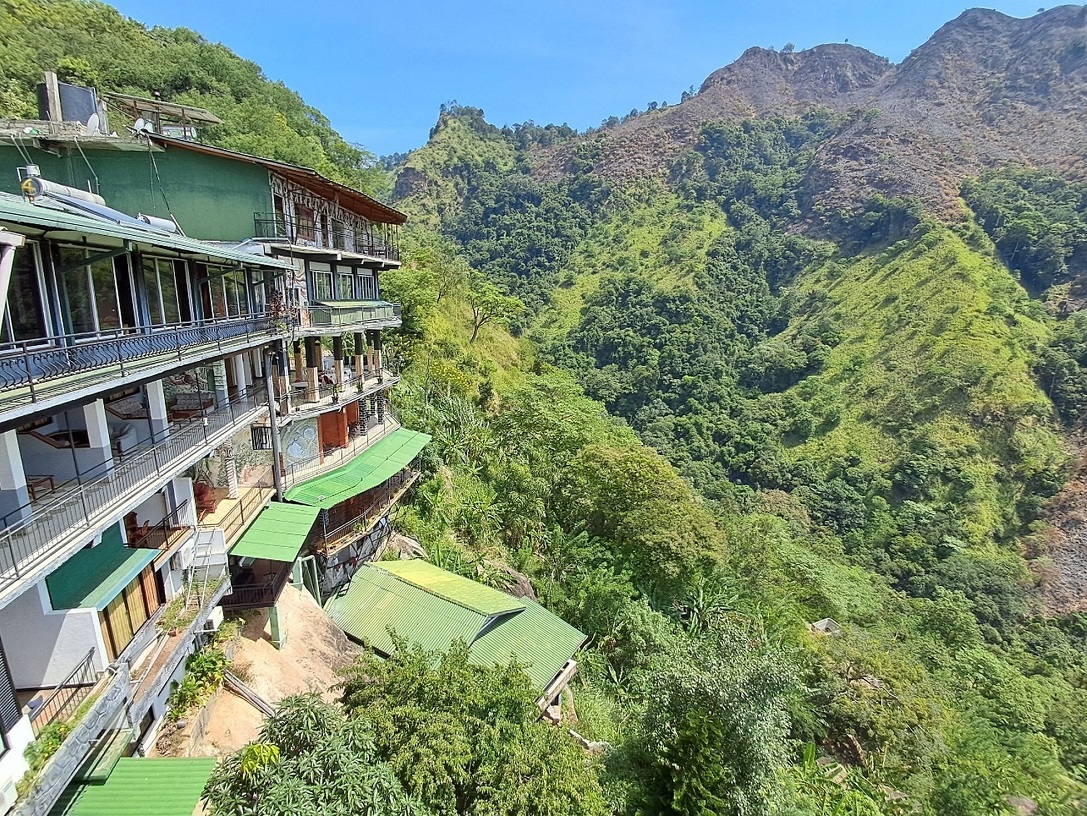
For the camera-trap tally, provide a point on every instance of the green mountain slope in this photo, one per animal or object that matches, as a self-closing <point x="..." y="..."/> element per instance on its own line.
<point x="88" y="42"/>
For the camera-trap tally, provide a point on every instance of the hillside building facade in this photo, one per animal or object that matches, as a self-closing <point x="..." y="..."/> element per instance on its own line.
<point x="185" y="425"/>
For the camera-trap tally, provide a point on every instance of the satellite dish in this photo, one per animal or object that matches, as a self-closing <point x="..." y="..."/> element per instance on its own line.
<point x="92" y="125"/>
<point x="141" y="125"/>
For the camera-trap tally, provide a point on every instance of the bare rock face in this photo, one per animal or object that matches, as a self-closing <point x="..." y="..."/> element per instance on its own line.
<point x="985" y="90"/>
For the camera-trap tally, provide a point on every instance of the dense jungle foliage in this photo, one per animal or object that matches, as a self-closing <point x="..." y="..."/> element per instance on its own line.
<point x="696" y="417"/>
<point x="872" y="418"/>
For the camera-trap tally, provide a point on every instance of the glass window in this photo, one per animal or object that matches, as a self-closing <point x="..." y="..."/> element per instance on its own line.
<point x="104" y="282"/>
<point x="76" y="292"/>
<point x="260" y="294"/>
<point x="322" y="286"/>
<point x="347" y="286"/>
<point x="151" y="287"/>
<point x="217" y="286"/>
<point x="161" y="286"/>
<point x="26" y="316"/>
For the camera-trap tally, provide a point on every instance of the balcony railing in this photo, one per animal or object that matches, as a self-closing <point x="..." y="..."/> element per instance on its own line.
<point x="304" y="399"/>
<point x="166" y="534"/>
<point x="36" y="370"/>
<point x="246" y="508"/>
<point x="45" y="528"/>
<point x="335" y="539"/>
<point x="344" y="317"/>
<point x="257" y="595"/>
<point x="66" y="698"/>
<point x="360" y="437"/>
<point x="306" y="232"/>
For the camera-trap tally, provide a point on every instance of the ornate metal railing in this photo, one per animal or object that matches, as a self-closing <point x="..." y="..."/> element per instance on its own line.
<point x="306" y="232"/>
<point x="35" y="370"/>
<point x="29" y="542"/>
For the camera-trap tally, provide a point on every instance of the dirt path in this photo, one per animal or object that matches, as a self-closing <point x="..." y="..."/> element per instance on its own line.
<point x="310" y="660"/>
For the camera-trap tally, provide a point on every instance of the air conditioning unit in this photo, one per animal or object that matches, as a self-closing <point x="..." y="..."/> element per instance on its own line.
<point x="215" y="620"/>
<point x="183" y="558"/>
<point x="7" y="796"/>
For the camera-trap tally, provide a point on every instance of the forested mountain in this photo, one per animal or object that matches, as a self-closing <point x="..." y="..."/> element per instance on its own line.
<point x="845" y="299"/>
<point x="90" y="43"/>
<point x="810" y="344"/>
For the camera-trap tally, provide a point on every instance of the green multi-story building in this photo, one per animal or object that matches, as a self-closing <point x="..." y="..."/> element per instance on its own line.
<point x="193" y="412"/>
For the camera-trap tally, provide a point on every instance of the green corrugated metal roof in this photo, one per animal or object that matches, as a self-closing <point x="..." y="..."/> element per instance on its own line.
<point x="378" y="599"/>
<point x="15" y="210"/>
<point x="452" y="587"/>
<point x="278" y="533"/>
<point x="378" y="463"/>
<point x="539" y="640"/>
<point x="94" y="576"/>
<point x="139" y="787"/>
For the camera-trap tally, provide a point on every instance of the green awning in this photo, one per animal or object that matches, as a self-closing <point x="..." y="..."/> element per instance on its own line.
<point x="375" y="465"/>
<point x="138" y="787"/>
<point x="94" y="576"/>
<point x="277" y="534"/>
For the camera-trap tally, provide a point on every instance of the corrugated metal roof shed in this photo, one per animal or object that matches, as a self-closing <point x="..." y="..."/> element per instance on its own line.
<point x="539" y="640"/>
<point x="277" y="533"/>
<point x="384" y="595"/>
<point x="16" y="211"/>
<point x="377" y="464"/>
<point x="376" y="601"/>
<point x="452" y="587"/>
<point x="140" y="787"/>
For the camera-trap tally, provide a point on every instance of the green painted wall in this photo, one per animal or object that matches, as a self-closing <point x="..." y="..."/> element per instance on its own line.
<point x="212" y="198"/>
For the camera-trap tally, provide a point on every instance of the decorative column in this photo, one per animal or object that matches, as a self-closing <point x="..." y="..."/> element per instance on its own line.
<point x="156" y="410"/>
<point x="378" y="361"/>
<point x="337" y="356"/>
<point x="218" y="376"/>
<point x="226" y="453"/>
<point x="14" y="497"/>
<point x="360" y="356"/>
<point x="94" y="413"/>
<point x="371" y="353"/>
<point x="313" y="367"/>
<point x="379" y="406"/>
<point x="296" y="364"/>
<point x="241" y="371"/>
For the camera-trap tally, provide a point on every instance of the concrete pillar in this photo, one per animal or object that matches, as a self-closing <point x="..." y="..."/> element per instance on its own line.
<point x="94" y="413"/>
<point x="337" y="357"/>
<point x="156" y="410"/>
<point x="379" y="407"/>
<point x="296" y="363"/>
<point x="219" y="377"/>
<point x="360" y="356"/>
<point x="313" y="366"/>
<point x="278" y="632"/>
<point x="377" y="356"/>
<point x="241" y="371"/>
<point x="14" y="496"/>
<point x="226" y="453"/>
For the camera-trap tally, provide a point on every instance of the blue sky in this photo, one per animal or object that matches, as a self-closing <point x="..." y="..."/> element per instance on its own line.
<point x="379" y="71"/>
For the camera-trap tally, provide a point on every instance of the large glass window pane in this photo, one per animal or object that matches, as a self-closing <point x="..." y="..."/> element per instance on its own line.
<point x="322" y="286"/>
<point x="218" y="291"/>
<point x="105" y="294"/>
<point x="76" y="295"/>
<point x="260" y="295"/>
<point x="26" y="316"/>
<point x="168" y="289"/>
<point x="151" y="287"/>
<point x="347" y="287"/>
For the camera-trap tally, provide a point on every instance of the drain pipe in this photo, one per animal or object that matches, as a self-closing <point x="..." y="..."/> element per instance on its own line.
<point x="277" y="476"/>
<point x="9" y="242"/>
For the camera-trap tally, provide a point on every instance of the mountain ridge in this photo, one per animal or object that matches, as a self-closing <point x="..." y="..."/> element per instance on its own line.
<point x="982" y="91"/>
